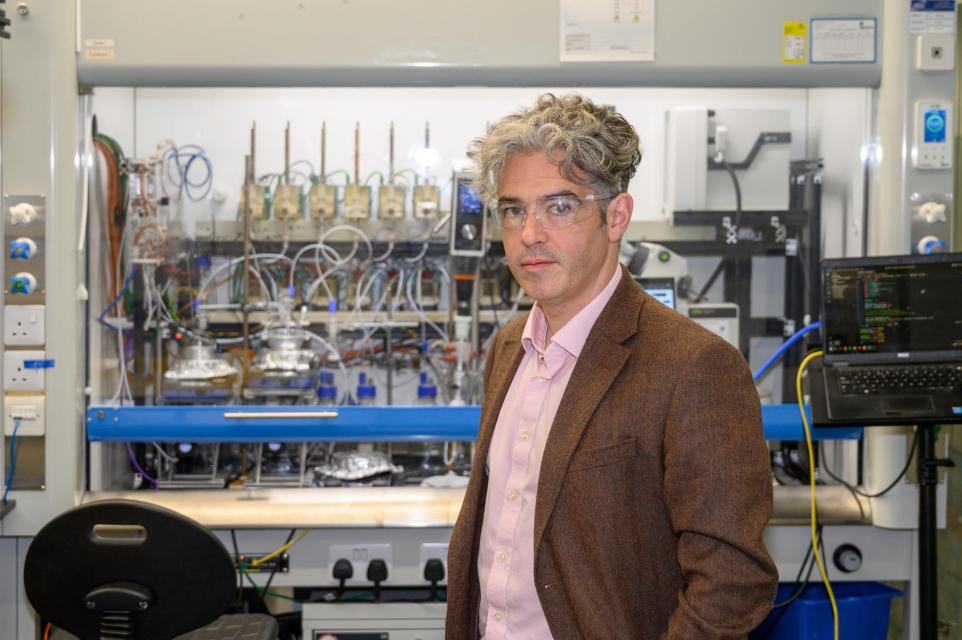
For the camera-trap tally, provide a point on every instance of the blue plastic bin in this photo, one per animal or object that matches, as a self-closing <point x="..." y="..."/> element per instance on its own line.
<point x="863" y="612"/>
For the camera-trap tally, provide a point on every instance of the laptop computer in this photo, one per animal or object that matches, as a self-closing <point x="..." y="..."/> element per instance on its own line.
<point x="892" y="336"/>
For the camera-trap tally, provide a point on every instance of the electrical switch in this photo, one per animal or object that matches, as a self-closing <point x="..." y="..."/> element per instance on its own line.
<point x="23" y="283"/>
<point x="22" y="249"/>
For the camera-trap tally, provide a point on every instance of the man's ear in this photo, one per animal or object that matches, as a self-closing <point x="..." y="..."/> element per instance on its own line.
<point x="619" y="216"/>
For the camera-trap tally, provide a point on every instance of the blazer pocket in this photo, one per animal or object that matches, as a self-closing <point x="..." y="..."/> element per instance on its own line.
<point x="603" y="456"/>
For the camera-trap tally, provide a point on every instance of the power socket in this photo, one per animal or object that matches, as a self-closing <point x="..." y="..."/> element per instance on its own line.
<point x="17" y="377"/>
<point x="23" y="325"/>
<point x="434" y="550"/>
<point x="360" y="555"/>
<point x="935" y="52"/>
<point x="29" y="410"/>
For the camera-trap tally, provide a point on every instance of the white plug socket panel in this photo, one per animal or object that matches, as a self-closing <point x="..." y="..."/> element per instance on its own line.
<point x="431" y="551"/>
<point x="23" y="325"/>
<point x="29" y="410"/>
<point x="935" y="52"/>
<point x="360" y="556"/>
<point x="17" y="377"/>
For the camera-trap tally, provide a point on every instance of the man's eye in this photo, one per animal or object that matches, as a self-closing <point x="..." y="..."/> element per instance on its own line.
<point x="511" y="211"/>
<point x="560" y="207"/>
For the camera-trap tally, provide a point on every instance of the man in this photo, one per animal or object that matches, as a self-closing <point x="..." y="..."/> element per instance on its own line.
<point x="621" y="481"/>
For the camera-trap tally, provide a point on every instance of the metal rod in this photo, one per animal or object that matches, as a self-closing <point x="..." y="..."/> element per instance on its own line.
<point x="323" y="176"/>
<point x="390" y="156"/>
<point x="248" y="192"/>
<point x="278" y="415"/>
<point x="287" y="153"/>
<point x="258" y="462"/>
<point x="250" y="176"/>
<point x="928" y="542"/>
<point x="357" y="153"/>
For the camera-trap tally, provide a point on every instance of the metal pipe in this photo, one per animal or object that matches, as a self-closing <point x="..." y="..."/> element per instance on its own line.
<point x="323" y="176"/>
<point x="287" y="153"/>
<point x="248" y="192"/>
<point x="357" y="153"/>
<point x="250" y="176"/>
<point x="390" y="156"/>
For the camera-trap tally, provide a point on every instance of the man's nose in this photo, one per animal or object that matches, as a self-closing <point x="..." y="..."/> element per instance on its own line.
<point x="531" y="230"/>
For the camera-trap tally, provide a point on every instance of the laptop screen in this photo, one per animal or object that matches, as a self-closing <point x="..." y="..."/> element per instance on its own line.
<point x="901" y="306"/>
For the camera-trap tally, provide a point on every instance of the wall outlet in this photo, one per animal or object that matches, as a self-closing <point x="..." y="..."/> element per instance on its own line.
<point x="17" y="377"/>
<point x="23" y="325"/>
<point x="360" y="555"/>
<point x="434" y="550"/>
<point x="935" y="52"/>
<point x="29" y="410"/>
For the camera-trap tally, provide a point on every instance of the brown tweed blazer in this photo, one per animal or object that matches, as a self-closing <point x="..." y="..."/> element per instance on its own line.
<point x="654" y="489"/>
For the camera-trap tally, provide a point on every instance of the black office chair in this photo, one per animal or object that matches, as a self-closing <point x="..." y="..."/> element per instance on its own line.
<point x="126" y="569"/>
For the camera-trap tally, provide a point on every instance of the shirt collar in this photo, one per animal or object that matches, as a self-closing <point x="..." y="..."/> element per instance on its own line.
<point x="574" y="334"/>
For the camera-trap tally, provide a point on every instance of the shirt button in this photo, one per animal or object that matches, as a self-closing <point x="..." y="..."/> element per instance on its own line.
<point x="497" y="616"/>
<point x="525" y="435"/>
<point x="513" y="495"/>
<point x="503" y="557"/>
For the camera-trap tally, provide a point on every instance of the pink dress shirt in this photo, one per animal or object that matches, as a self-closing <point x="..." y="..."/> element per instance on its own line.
<point x="509" y="606"/>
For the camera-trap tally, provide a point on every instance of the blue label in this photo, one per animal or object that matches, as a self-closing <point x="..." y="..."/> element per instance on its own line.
<point x="957" y="411"/>
<point x="38" y="364"/>
<point x="933" y="5"/>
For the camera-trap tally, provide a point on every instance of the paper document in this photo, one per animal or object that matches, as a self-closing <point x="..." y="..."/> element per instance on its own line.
<point x="607" y="30"/>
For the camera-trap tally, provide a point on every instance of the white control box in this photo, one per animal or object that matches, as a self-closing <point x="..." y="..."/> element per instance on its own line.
<point x="933" y="136"/>
<point x="935" y="52"/>
<point x="721" y="318"/>
<point x="29" y="410"/>
<point x="23" y="325"/>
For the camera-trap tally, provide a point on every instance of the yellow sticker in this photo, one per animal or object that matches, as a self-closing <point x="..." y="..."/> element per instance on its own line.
<point x="794" y="43"/>
<point x="99" y="54"/>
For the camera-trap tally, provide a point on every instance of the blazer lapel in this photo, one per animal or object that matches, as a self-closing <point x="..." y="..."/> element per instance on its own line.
<point x="600" y="362"/>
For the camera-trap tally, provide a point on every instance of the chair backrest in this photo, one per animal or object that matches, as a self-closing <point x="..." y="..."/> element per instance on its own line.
<point x="128" y="568"/>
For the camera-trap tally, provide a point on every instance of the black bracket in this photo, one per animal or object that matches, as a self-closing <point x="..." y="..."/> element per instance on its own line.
<point x="766" y="137"/>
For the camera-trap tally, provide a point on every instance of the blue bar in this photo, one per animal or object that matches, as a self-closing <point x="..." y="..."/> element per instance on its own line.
<point x="352" y="424"/>
<point x="783" y="422"/>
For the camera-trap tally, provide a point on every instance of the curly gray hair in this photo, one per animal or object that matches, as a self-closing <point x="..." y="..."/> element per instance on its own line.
<point x="592" y="144"/>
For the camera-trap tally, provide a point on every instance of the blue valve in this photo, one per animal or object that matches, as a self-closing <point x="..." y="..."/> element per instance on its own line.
<point x="22" y="283"/>
<point x="22" y="249"/>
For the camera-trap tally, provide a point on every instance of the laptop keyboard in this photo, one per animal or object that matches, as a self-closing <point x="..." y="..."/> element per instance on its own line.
<point x="900" y="379"/>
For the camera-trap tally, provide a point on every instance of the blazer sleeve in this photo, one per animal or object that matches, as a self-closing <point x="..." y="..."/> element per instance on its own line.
<point x="718" y="495"/>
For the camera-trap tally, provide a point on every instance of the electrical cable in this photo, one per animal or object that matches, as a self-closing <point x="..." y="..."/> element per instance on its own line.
<point x="811" y="466"/>
<point x="775" y="357"/>
<point x="13" y="460"/>
<point x="799" y="586"/>
<point x="46" y="631"/>
<point x="270" y="579"/>
<point x="133" y="461"/>
<point x="887" y="489"/>
<point x="273" y="554"/>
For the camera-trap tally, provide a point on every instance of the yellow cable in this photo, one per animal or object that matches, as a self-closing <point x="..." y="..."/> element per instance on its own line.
<point x="273" y="554"/>
<point x="811" y="476"/>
